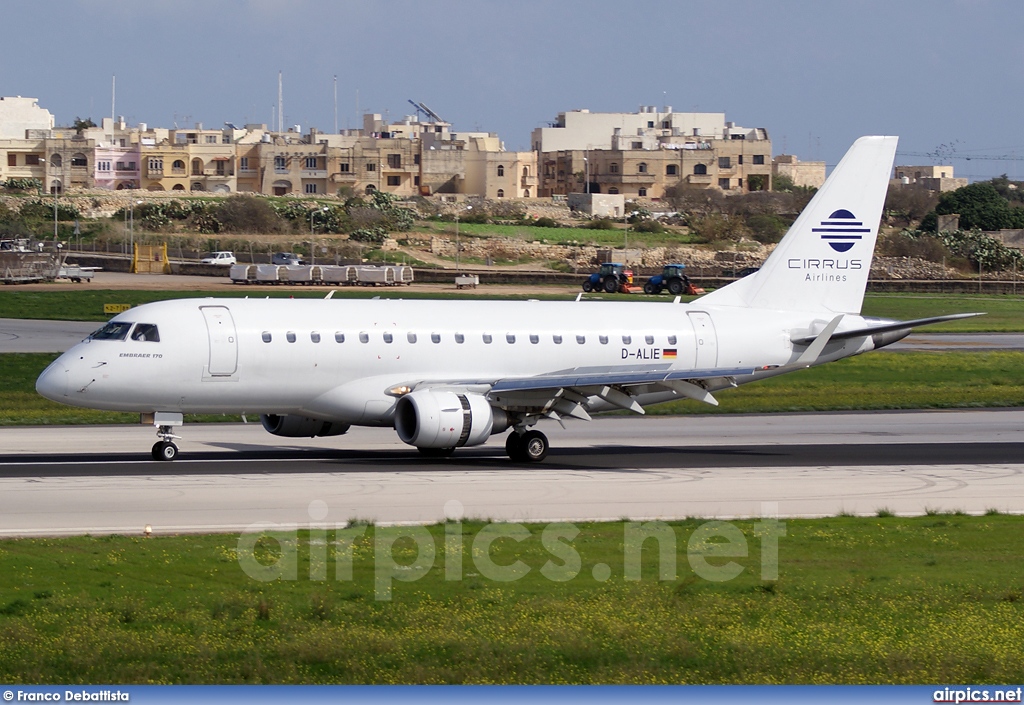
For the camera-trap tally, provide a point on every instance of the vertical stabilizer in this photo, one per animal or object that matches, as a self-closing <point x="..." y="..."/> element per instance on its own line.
<point x="823" y="262"/>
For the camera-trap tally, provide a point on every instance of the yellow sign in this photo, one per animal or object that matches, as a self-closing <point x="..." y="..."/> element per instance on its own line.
<point x="116" y="308"/>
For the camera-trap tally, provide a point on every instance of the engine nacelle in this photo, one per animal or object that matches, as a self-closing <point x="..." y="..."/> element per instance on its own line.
<point x="293" y="426"/>
<point x="442" y="419"/>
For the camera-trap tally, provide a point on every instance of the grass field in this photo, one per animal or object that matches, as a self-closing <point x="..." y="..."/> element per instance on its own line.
<point x="881" y="380"/>
<point x="1003" y="313"/>
<point x="857" y="600"/>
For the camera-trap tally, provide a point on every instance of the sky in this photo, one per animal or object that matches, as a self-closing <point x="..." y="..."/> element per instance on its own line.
<point x="947" y="76"/>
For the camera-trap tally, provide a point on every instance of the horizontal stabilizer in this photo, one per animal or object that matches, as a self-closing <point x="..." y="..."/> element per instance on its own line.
<point x="884" y="326"/>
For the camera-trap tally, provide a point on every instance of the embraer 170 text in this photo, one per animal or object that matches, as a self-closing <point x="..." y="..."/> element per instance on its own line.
<point x="447" y="374"/>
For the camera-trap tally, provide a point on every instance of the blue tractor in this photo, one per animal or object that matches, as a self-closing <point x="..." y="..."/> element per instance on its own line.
<point x="611" y="278"/>
<point x="673" y="279"/>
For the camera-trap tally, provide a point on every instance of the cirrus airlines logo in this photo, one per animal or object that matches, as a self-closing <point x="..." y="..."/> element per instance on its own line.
<point x="841" y="230"/>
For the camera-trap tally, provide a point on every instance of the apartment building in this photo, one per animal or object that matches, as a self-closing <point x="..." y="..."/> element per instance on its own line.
<point x="805" y="174"/>
<point x="933" y="178"/>
<point x="644" y="153"/>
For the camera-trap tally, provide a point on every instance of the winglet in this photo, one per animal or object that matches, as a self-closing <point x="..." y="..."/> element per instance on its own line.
<point x="814" y="349"/>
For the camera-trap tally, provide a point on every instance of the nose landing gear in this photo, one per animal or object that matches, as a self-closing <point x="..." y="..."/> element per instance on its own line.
<point x="165" y="449"/>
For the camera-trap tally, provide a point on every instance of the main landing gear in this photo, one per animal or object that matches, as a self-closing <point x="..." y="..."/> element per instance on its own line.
<point x="527" y="447"/>
<point x="165" y="449"/>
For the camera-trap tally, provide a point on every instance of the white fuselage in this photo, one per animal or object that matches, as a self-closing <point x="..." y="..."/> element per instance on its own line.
<point x="337" y="359"/>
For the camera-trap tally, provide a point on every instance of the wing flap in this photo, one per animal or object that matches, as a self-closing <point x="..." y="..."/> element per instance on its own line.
<point x="607" y="377"/>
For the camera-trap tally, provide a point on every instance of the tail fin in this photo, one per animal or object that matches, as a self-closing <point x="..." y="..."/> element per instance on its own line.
<point x="823" y="262"/>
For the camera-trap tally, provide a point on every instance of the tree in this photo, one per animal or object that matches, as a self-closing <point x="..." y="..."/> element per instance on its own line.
<point x="980" y="206"/>
<point x="905" y="205"/>
<point x="81" y="125"/>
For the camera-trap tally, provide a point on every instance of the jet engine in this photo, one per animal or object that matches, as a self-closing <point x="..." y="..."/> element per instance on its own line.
<point x="443" y="419"/>
<point x="294" y="426"/>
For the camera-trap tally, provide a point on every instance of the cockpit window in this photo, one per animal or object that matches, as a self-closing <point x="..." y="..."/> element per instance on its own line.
<point x="146" y="332"/>
<point x="115" y="330"/>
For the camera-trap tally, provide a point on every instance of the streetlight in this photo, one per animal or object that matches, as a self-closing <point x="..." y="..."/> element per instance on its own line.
<point x="312" y="241"/>
<point x="586" y="175"/>
<point x="457" y="247"/>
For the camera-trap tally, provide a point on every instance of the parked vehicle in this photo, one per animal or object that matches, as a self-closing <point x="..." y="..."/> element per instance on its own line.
<point x="611" y="278"/>
<point x="673" y="279"/>
<point x="224" y="258"/>
<point x="286" y="258"/>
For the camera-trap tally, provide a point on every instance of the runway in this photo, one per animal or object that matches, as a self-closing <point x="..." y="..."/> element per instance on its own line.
<point x="231" y="477"/>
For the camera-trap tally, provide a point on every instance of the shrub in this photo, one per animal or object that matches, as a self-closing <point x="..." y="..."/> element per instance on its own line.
<point x="766" y="228"/>
<point x="649" y="226"/>
<point x="23" y="184"/>
<point x="600" y="224"/>
<point x="546" y="222"/>
<point x="373" y="236"/>
<point x="248" y="214"/>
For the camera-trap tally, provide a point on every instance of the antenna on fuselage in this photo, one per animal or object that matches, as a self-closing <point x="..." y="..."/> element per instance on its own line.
<point x="330" y="294"/>
<point x="579" y="296"/>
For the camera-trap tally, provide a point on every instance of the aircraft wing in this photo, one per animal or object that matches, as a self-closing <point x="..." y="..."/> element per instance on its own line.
<point x="566" y="392"/>
<point x="610" y="376"/>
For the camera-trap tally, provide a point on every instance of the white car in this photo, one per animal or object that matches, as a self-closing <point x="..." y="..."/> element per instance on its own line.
<point x="223" y="258"/>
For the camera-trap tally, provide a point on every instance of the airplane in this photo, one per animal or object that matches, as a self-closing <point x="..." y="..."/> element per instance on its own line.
<point x="450" y="374"/>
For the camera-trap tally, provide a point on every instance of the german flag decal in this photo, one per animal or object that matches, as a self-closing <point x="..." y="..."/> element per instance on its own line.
<point x="668" y="352"/>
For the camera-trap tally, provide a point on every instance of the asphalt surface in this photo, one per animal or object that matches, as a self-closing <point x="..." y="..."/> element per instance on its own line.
<point x="232" y="477"/>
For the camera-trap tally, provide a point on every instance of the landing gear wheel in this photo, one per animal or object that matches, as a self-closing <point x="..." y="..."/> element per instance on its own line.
<point x="164" y="450"/>
<point x="675" y="287"/>
<point x="587" y="286"/>
<point x="436" y="452"/>
<point x="514" y="447"/>
<point x="535" y="446"/>
<point x="611" y="284"/>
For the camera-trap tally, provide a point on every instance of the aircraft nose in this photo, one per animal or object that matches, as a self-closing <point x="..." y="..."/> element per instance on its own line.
<point x="53" y="382"/>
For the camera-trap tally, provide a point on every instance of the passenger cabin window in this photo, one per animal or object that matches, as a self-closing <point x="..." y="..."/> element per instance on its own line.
<point x="314" y="336"/>
<point x="115" y="330"/>
<point x="435" y="337"/>
<point x="534" y="339"/>
<point x="603" y="339"/>
<point x="388" y="338"/>
<point x="146" y="332"/>
<point x="581" y="339"/>
<point x="649" y="339"/>
<point x="460" y="338"/>
<point x="510" y="338"/>
<point x="671" y="340"/>
<point x="290" y="335"/>
<point x="557" y="339"/>
<point x="364" y="337"/>
<point x="627" y="339"/>
<point x="267" y="337"/>
<point x="411" y="337"/>
<point x="487" y="338"/>
<point x="339" y="337"/>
